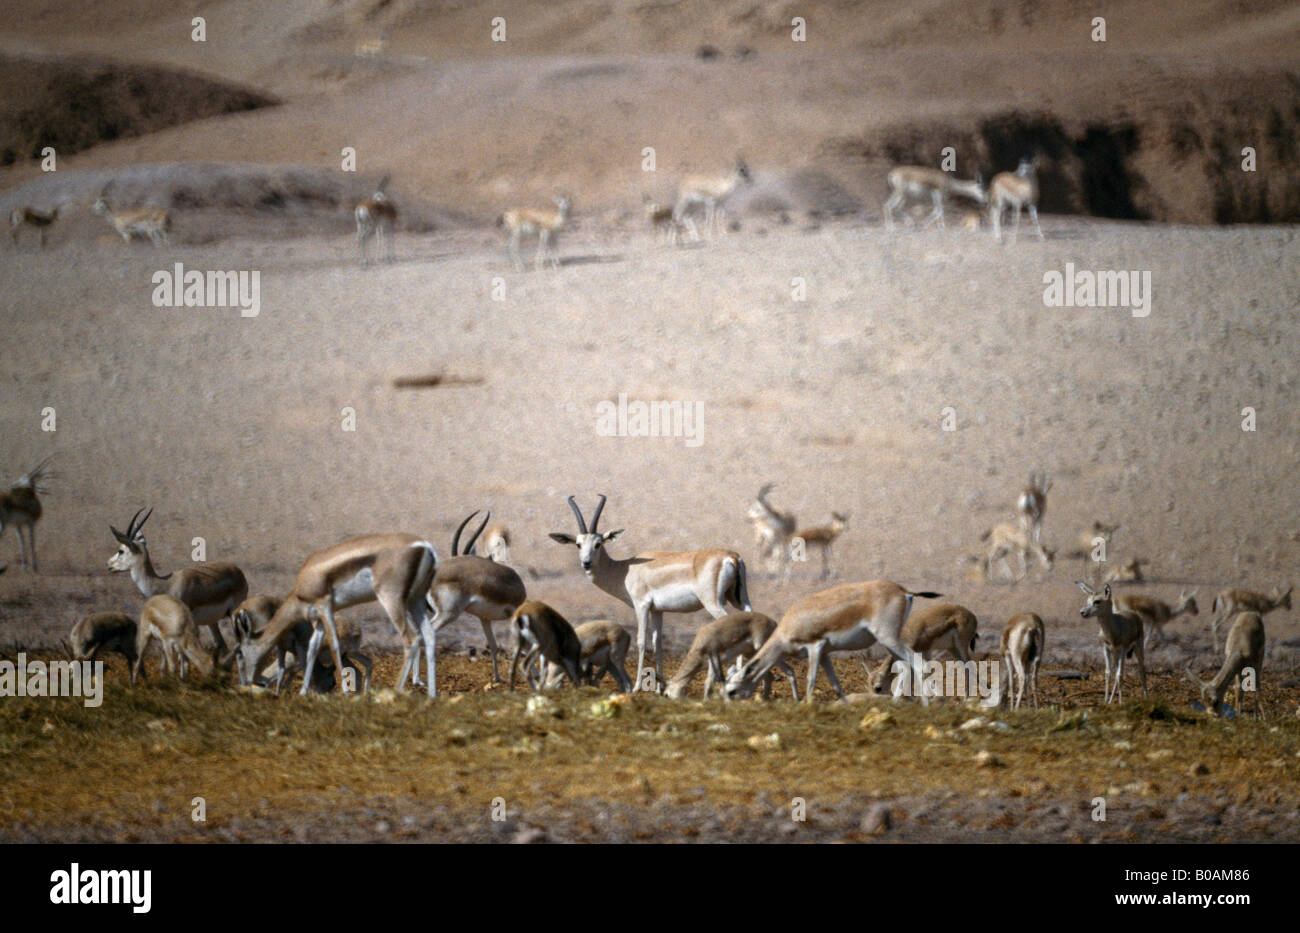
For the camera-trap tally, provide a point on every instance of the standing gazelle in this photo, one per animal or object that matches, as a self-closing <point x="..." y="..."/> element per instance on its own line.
<point x="1019" y="192"/>
<point x="1022" y="651"/>
<point x="772" y="529"/>
<point x="21" y="507"/>
<point x="545" y="224"/>
<point x="910" y="181"/>
<point x="376" y="216"/>
<point x="823" y="536"/>
<point x="149" y="222"/>
<point x="1032" y="505"/>
<point x="393" y="569"/>
<point x="1121" y="635"/>
<point x="655" y="582"/>
<point x="21" y="217"/>
<point x="1243" y="657"/>
<point x="712" y="192"/>
<point x="211" y="591"/>
<point x="849" y="617"/>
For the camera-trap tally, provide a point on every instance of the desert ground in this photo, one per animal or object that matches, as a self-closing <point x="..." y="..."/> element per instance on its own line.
<point x="827" y="354"/>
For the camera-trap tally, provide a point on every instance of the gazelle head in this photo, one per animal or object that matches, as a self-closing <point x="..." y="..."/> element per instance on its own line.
<point x="588" y="543"/>
<point x="34" y="479"/>
<point x="131" y="546"/>
<point x="562" y="202"/>
<point x="1187" y="603"/>
<point x="1093" y="607"/>
<point x="1028" y="166"/>
<point x="1283" y="600"/>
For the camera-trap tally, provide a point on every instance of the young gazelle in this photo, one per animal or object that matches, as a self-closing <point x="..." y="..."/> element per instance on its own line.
<point x="376" y="216"/>
<point x="1243" y="652"/>
<point x="21" y="217"/>
<point x="772" y="529"/>
<point x="1007" y="539"/>
<point x="1032" y="505"/>
<point x="1121" y="635"/>
<point x="546" y="224"/>
<point x="941" y="627"/>
<point x="1018" y="191"/>
<point x="911" y="181"/>
<point x="170" y="621"/>
<point x="712" y="192"/>
<point x="21" y="507"/>
<point x="1231" y="601"/>
<point x="849" y="617"/>
<point x="393" y="569"/>
<point x="823" y="536"/>
<point x="485" y="589"/>
<point x="153" y="223"/>
<point x="721" y="641"/>
<point x="604" y="651"/>
<point x="256" y="612"/>
<point x="211" y="590"/>
<point x="102" y="631"/>
<point x="548" y="634"/>
<point x="655" y="582"/>
<point x="1022" y="649"/>
<point x="1156" y="613"/>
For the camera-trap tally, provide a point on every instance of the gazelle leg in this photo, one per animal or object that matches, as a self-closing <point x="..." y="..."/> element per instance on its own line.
<point x="814" y="662"/>
<point x="1033" y="215"/>
<point x="543" y="237"/>
<point x="830" y="673"/>
<point x="514" y="251"/>
<point x="313" y="646"/>
<point x="789" y="674"/>
<point x="492" y="648"/>
<point x="642" y="614"/>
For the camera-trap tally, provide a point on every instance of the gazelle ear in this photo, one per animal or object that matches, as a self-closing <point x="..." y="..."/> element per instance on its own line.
<point x="611" y="535"/>
<point x="562" y="538"/>
<point x="1107" y="591"/>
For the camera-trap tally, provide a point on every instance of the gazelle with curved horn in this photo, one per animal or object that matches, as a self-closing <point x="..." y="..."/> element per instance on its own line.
<point x="210" y="590"/>
<point x="21" y="507"/>
<point x="376" y="216"/>
<point x="393" y="569"/>
<point x="489" y="591"/>
<point x="655" y="582"/>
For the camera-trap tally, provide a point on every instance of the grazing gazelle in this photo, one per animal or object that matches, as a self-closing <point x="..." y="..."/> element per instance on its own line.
<point x="1032" y="505"/>
<point x="655" y="582"/>
<point x="911" y="181"/>
<point x="477" y="585"/>
<point x="170" y="621"/>
<point x="256" y="612"/>
<point x="1019" y="192"/>
<point x="1121" y="635"/>
<point x="212" y="591"/>
<point x="710" y="191"/>
<point x="1156" y="613"/>
<point x="604" y="651"/>
<point x="849" y="617"/>
<point x="1243" y="652"/>
<point x="21" y="507"/>
<point x="772" y="528"/>
<point x="1022" y="650"/>
<point x="376" y="216"/>
<point x="823" y="536"/>
<point x="1231" y="601"/>
<point x="548" y="634"/>
<point x="943" y="626"/>
<point x="393" y="569"/>
<point x="149" y="222"/>
<point x="102" y="631"/>
<point x="719" y="642"/>
<point x="21" y="217"/>
<point x="545" y="224"/>
<point x="1006" y="539"/>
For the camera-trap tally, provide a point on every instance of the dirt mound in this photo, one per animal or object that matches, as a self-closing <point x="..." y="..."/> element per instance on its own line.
<point x="75" y="104"/>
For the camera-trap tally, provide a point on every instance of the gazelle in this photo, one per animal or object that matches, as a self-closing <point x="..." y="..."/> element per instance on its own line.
<point x="911" y="181"/>
<point x="21" y="217"/>
<point x="1032" y="505"/>
<point x="1121" y="635"/>
<point x="546" y="224"/>
<point x="1019" y="192"/>
<point x="376" y="216"/>
<point x="170" y="621"/>
<point x="721" y="641"/>
<point x="1231" y="601"/>
<point x="655" y="582"/>
<point x="256" y="612"/>
<point x="21" y="507"/>
<point x="153" y="223"/>
<point x="1021" y="650"/>
<point x="1243" y="651"/>
<point x="548" y="634"/>
<point x="1006" y="539"/>
<point x="1156" y="613"/>
<point x="102" y="631"/>
<point x="661" y="220"/>
<point x="477" y="585"/>
<point x="1100" y="534"/>
<point x="604" y="647"/>
<point x="710" y="191"/>
<point x="823" y="536"/>
<point x="849" y="617"/>
<point x="772" y="528"/>
<point x="943" y="626"/>
<point x="394" y="569"/>
<point x="211" y="590"/>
